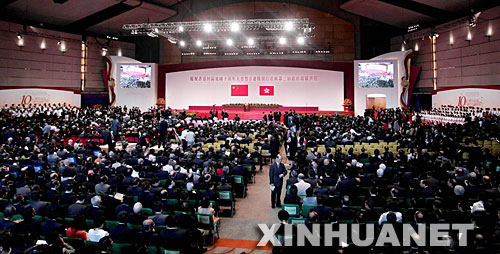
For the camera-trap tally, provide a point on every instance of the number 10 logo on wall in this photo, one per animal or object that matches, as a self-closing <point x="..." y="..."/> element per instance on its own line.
<point x="461" y="101"/>
<point x="26" y="99"/>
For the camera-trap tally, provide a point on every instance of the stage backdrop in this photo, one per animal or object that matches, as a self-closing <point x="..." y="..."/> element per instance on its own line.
<point x="38" y="95"/>
<point x="483" y="96"/>
<point x="290" y="87"/>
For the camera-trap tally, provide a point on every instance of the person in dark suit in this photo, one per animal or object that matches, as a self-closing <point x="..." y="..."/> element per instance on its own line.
<point x="172" y="237"/>
<point x="51" y="226"/>
<point x="94" y="211"/>
<point x="148" y="236"/>
<point x="109" y="139"/>
<point x="77" y="208"/>
<point x="275" y="146"/>
<point x="277" y="172"/>
<point x="158" y="218"/>
<point x="38" y="205"/>
<point x="121" y="233"/>
<point x="146" y="198"/>
<point x="345" y="212"/>
<point x="163" y="132"/>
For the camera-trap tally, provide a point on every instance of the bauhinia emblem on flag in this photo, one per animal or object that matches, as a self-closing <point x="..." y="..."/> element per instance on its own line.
<point x="239" y="90"/>
<point x="266" y="90"/>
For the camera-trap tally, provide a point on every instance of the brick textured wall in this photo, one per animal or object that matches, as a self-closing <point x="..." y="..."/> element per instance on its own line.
<point x="329" y="28"/>
<point x="31" y="66"/>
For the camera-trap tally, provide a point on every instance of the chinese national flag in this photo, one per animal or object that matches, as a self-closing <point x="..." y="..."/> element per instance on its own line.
<point x="239" y="90"/>
<point x="266" y="91"/>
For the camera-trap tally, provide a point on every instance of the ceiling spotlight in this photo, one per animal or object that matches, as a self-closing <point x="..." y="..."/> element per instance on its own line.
<point x="19" y="35"/>
<point x="181" y="29"/>
<point x="59" y="42"/>
<point x="182" y="43"/>
<point x="300" y="40"/>
<point x="288" y="26"/>
<point x="207" y="27"/>
<point x="198" y="43"/>
<point x="250" y="41"/>
<point x="229" y="42"/>
<point x="235" y="27"/>
<point x="282" y="40"/>
<point x="472" y="21"/>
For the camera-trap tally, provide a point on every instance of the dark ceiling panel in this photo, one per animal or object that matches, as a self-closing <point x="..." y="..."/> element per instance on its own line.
<point x="100" y="16"/>
<point x="420" y="8"/>
<point x="6" y="2"/>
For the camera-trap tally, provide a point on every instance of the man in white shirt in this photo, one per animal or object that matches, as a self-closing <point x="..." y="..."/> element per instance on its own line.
<point x="98" y="232"/>
<point x="190" y="137"/>
<point x="302" y="186"/>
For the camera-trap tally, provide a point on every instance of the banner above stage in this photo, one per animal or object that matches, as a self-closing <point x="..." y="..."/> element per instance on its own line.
<point x="288" y="86"/>
<point x="255" y="78"/>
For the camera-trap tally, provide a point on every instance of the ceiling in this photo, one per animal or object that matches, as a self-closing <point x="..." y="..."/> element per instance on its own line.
<point x="102" y="17"/>
<point x="106" y="17"/>
<point x="426" y="13"/>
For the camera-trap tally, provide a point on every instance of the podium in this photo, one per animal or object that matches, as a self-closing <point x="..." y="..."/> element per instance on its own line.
<point x="246" y="107"/>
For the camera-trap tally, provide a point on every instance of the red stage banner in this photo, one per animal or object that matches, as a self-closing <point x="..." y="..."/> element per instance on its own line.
<point x="239" y="90"/>
<point x="266" y="90"/>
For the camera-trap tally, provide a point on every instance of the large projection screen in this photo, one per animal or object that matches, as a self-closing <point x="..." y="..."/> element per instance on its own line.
<point x="136" y="85"/>
<point x="290" y="87"/>
<point x="375" y="77"/>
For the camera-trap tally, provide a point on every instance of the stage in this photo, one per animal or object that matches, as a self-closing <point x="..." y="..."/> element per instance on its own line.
<point x="256" y="113"/>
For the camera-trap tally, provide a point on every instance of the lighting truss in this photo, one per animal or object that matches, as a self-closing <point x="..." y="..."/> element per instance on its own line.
<point x="171" y="30"/>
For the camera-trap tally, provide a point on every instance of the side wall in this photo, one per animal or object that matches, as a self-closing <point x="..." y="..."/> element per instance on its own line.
<point x="30" y="65"/>
<point x="460" y="62"/>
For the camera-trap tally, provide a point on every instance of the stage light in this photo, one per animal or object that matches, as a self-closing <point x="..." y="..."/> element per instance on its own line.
<point x="229" y="42"/>
<point x="288" y="26"/>
<point x="181" y="29"/>
<point x="19" y="35"/>
<point x="235" y="27"/>
<point x="182" y="43"/>
<point x="58" y="42"/>
<point x="198" y="43"/>
<point x="282" y="40"/>
<point x="300" y="40"/>
<point x="207" y="28"/>
<point x="250" y="41"/>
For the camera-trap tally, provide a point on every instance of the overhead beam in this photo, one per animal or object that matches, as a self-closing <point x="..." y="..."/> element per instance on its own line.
<point x="420" y="8"/>
<point x="100" y="16"/>
<point x="6" y="2"/>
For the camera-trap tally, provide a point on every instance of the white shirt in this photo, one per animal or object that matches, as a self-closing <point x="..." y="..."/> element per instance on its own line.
<point x="383" y="217"/>
<point x="302" y="186"/>
<point x="96" y="234"/>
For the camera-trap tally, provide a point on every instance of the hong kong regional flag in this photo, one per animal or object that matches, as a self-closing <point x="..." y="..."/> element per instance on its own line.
<point x="239" y="90"/>
<point x="266" y="91"/>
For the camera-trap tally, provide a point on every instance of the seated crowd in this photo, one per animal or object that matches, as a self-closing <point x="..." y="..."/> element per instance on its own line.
<point x="388" y="167"/>
<point x="59" y="186"/>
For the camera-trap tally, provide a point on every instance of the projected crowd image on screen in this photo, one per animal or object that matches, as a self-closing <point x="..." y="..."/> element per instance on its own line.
<point x="135" y="76"/>
<point x="376" y="75"/>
